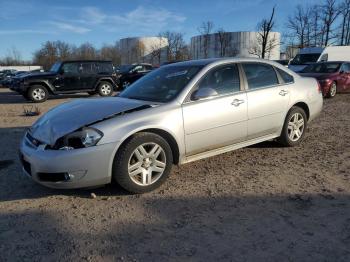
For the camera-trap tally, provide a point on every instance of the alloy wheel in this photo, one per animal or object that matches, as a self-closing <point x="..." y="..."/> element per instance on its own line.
<point x="333" y="90"/>
<point x="38" y="94"/>
<point x="296" y="127"/>
<point x="106" y="89"/>
<point x="147" y="164"/>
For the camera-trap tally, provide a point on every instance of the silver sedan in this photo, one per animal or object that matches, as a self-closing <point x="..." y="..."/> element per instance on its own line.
<point x="174" y="115"/>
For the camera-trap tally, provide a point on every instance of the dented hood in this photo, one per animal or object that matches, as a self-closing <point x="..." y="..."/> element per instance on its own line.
<point x="71" y="116"/>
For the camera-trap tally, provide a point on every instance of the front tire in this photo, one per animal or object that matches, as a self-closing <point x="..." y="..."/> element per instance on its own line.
<point x="294" y="127"/>
<point x="37" y="94"/>
<point x="143" y="163"/>
<point x="332" y="90"/>
<point x="105" y="89"/>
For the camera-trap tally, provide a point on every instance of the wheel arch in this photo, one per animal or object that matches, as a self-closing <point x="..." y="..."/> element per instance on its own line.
<point x="44" y="84"/>
<point x="303" y="106"/>
<point x="109" y="80"/>
<point x="161" y="132"/>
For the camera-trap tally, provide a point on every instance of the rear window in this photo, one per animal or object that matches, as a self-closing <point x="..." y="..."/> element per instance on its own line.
<point x="104" y="68"/>
<point x="260" y="75"/>
<point x="287" y="78"/>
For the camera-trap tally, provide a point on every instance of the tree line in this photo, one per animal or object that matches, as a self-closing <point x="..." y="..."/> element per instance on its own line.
<point x="322" y="24"/>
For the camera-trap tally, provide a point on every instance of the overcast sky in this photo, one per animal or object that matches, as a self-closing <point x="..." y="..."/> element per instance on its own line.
<point x="26" y="24"/>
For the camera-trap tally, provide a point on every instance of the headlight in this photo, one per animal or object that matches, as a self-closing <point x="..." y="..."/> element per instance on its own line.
<point x="85" y="137"/>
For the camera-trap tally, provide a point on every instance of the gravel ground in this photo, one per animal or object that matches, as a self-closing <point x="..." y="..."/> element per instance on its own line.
<point x="262" y="203"/>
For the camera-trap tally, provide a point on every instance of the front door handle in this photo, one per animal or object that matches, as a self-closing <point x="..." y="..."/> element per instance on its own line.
<point x="283" y="92"/>
<point x="237" y="102"/>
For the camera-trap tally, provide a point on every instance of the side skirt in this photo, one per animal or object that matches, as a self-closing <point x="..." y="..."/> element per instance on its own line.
<point x="225" y="149"/>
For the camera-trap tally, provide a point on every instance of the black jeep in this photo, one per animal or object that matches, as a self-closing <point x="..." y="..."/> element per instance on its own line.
<point x="128" y="74"/>
<point x="66" y="78"/>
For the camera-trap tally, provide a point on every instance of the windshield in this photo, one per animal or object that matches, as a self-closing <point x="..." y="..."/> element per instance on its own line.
<point x="303" y="59"/>
<point x="322" y="68"/>
<point x="161" y="85"/>
<point x="55" y="67"/>
<point x="125" y="68"/>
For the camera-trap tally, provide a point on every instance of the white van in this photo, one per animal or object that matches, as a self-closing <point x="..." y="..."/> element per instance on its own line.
<point x="305" y="57"/>
<point x="335" y="53"/>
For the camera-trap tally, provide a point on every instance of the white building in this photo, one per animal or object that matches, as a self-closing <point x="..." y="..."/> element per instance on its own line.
<point x="143" y="49"/>
<point x="21" y="68"/>
<point x="234" y="44"/>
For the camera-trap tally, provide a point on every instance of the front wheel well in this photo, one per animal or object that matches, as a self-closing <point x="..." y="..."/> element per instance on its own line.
<point x="41" y="84"/>
<point x="305" y="107"/>
<point x="105" y="80"/>
<point x="164" y="134"/>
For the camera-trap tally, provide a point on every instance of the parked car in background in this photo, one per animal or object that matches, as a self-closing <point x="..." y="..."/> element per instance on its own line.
<point x="333" y="77"/>
<point x="335" y="53"/>
<point x="176" y="114"/>
<point x="93" y="77"/>
<point x="305" y="57"/>
<point x="283" y="62"/>
<point x="5" y="77"/>
<point x="128" y="74"/>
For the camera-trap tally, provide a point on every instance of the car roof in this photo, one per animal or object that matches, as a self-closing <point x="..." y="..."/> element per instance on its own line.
<point x="208" y="61"/>
<point x="84" y="61"/>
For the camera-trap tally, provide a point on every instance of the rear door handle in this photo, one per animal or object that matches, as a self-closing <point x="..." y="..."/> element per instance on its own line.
<point x="237" y="102"/>
<point x="283" y="92"/>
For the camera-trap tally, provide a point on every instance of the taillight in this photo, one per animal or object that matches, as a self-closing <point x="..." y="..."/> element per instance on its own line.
<point x="319" y="87"/>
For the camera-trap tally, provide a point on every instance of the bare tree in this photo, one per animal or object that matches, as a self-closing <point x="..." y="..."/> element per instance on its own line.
<point x="331" y="11"/>
<point x="157" y="50"/>
<point x="205" y="30"/>
<point x="175" y="46"/>
<point x="85" y="51"/>
<point x="224" y="41"/>
<point x="298" y="25"/>
<point x="265" y="41"/>
<point x="345" y="20"/>
<point x="111" y="52"/>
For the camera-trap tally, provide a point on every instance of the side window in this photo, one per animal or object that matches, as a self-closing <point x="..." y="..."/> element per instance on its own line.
<point x="223" y="80"/>
<point x="138" y="69"/>
<point x="287" y="78"/>
<point x="346" y="68"/>
<point x="260" y="75"/>
<point x="104" y="68"/>
<point x="324" y="58"/>
<point x="71" y="68"/>
<point x="148" y="68"/>
<point x="87" y="68"/>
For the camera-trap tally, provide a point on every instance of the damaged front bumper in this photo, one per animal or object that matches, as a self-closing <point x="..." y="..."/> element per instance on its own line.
<point x="77" y="168"/>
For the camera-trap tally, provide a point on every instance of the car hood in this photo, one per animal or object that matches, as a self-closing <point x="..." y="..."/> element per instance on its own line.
<point x="37" y="75"/>
<point x="319" y="76"/>
<point x="71" y="116"/>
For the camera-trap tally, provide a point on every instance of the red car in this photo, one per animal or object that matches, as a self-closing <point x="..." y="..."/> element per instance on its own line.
<point x="333" y="77"/>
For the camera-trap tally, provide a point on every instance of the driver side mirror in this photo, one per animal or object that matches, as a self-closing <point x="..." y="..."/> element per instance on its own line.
<point x="61" y="72"/>
<point x="203" y="93"/>
<point x="341" y="72"/>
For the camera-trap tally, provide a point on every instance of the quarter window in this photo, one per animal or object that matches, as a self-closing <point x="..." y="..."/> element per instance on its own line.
<point x="223" y="80"/>
<point x="287" y="78"/>
<point x="260" y="75"/>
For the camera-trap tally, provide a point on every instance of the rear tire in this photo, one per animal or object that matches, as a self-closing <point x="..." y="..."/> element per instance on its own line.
<point x="37" y="94"/>
<point x="143" y="163"/>
<point x="105" y="89"/>
<point x="294" y="127"/>
<point x="332" y="90"/>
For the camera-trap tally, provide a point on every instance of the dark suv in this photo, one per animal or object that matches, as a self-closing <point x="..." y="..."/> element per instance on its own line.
<point x="127" y="74"/>
<point x="66" y="78"/>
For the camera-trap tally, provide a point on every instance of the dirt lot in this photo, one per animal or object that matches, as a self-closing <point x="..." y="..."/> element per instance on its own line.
<point x="264" y="203"/>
